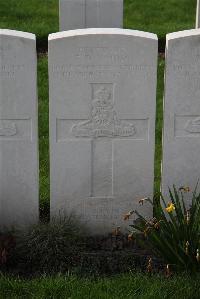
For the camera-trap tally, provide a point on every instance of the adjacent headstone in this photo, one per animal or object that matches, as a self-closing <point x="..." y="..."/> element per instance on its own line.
<point x="77" y="14"/>
<point x="102" y="124"/>
<point x="181" y="140"/>
<point x="198" y="15"/>
<point x="18" y="129"/>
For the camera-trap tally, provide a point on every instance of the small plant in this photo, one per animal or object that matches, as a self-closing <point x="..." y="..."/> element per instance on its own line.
<point x="50" y="247"/>
<point x="174" y="232"/>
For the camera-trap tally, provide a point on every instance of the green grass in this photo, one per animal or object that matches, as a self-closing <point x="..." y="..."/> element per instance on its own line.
<point x="43" y="98"/>
<point x="159" y="124"/>
<point x="158" y="16"/>
<point x="137" y="286"/>
<point x="36" y="16"/>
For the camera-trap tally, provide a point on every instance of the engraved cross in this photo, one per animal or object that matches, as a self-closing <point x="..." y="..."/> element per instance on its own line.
<point x="102" y="126"/>
<point x="102" y="129"/>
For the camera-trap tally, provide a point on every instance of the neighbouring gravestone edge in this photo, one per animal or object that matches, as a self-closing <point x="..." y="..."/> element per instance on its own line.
<point x="19" y="140"/>
<point x="74" y="14"/>
<point x="197" y="23"/>
<point x="181" y="113"/>
<point x="15" y="33"/>
<point x="182" y="34"/>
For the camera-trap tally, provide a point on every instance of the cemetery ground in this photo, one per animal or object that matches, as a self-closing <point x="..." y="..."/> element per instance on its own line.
<point x="133" y="285"/>
<point x="41" y="18"/>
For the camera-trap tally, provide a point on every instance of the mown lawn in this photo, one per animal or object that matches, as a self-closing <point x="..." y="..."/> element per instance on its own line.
<point x="130" y="286"/>
<point x="43" y="98"/>
<point x="36" y="16"/>
<point x="158" y="16"/>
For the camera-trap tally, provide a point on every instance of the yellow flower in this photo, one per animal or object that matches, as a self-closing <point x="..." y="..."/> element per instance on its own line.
<point x="170" y="207"/>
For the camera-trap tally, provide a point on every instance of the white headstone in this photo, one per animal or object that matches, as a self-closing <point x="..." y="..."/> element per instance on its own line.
<point x="181" y="140"/>
<point x="77" y="14"/>
<point x="18" y="129"/>
<point x="198" y="15"/>
<point x="102" y="122"/>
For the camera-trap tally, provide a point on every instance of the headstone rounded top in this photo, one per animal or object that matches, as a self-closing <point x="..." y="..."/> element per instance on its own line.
<point x="96" y="31"/>
<point x="16" y="33"/>
<point x="182" y="34"/>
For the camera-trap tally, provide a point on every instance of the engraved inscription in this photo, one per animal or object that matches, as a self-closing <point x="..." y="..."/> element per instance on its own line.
<point x="193" y="126"/>
<point x="103" y="120"/>
<point x="187" y="126"/>
<point x="64" y="129"/>
<point x="82" y="71"/>
<point x="7" y="128"/>
<point x="113" y="54"/>
<point x="10" y="70"/>
<point x="189" y="75"/>
<point x="16" y="129"/>
<point x="100" y="209"/>
<point x="102" y="213"/>
<point x="102" y="127"/>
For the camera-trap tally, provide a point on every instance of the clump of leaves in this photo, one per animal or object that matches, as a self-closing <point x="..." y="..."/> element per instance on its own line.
<point x="51" y="247"/>
<point x="174" y="232"/>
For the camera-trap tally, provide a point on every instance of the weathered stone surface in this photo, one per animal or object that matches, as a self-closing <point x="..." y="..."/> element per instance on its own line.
<point x="181" y="159"/>
<point x="102" y="121"/>
<point x="18" y="129"/>
<point x="77" y="14"/>
<point x="198" y="15"/>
